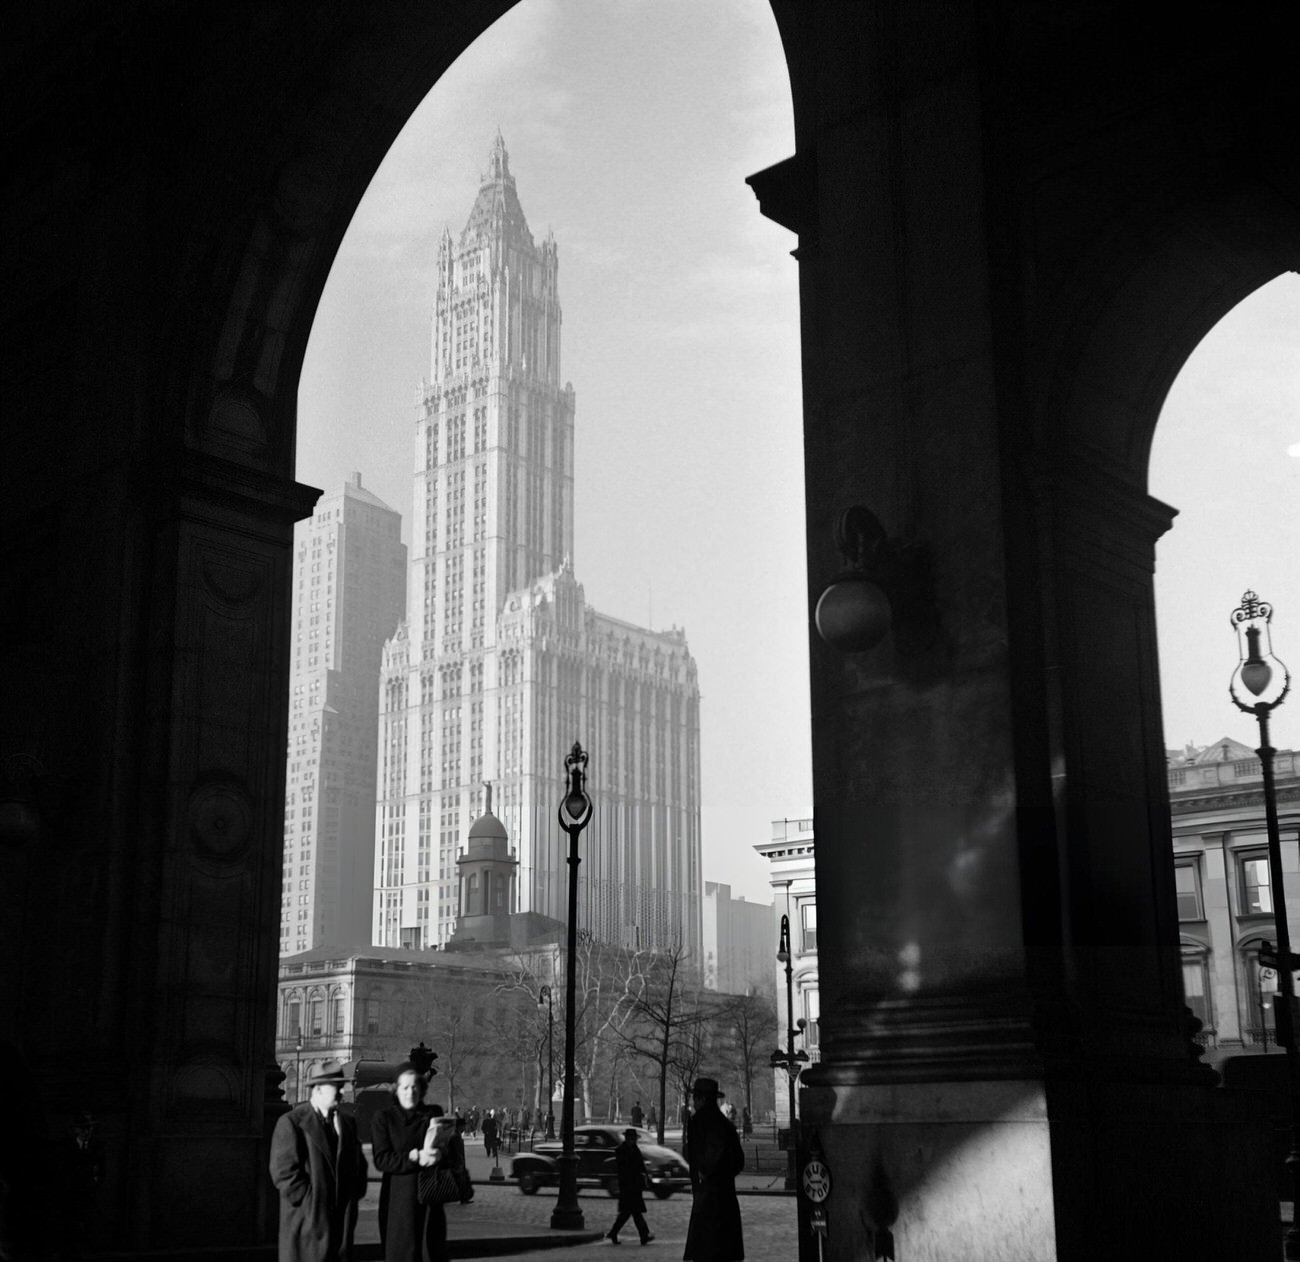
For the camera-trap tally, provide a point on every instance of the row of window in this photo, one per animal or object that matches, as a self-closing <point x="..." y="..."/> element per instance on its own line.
<point x="1254" y="890"/>
<point x="1261" y="989"/>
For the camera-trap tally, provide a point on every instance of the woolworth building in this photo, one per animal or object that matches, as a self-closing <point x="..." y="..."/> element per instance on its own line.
<point x="1012" y="224"/>
<point x="501" y="663"/>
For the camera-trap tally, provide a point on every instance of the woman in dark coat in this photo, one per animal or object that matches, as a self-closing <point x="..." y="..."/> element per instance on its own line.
<point x="411" y="1232"/>
<point x="716" y="1156"/>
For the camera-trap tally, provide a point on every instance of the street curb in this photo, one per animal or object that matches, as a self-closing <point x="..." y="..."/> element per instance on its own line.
<point x="373" y="1251"/>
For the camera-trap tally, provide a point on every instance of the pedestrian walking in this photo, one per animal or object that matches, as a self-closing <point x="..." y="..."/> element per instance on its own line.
<point x="631" y="1183"/>
<point x="319" y="1170"/>
<point x="410" y="1231"/>
<point x="714" y="1152"/>
<point x="491" y="1136"/>
<point x="457" y="1149"/>
<point x="638" y="1114"/>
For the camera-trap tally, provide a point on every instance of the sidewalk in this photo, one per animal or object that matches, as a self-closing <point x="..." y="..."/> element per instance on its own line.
<point x="469" y="1233"/>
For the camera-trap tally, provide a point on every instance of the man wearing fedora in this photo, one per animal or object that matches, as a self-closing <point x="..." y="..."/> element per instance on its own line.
<point x="631" y="1180"/>
<point x="715" y="1155"/>
<point x="320" y="1172"/>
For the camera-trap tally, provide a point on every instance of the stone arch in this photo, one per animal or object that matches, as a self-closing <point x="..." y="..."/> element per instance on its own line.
<point x="1116" y="328"/>
<point x="1136" y="306"/>
<point x="968" y="375"/>
<point x="237" y="361"/>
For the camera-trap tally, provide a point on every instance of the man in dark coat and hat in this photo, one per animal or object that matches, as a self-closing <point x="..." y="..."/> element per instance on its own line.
<point x="631" y="1180"/>
<point x="715" y="1154"/>
<point x="320" y="1172"/>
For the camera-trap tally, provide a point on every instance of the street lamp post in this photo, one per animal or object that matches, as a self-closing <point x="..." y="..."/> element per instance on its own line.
<point x="790" y="1060"/>
<point x="575" y="812"/>
<point x="297" y="1071"/>
<point x="1259" y="685"/>
<point x="545" y="993"/>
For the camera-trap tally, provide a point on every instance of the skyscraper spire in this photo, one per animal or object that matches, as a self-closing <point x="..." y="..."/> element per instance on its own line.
<point x="498" y="160"/>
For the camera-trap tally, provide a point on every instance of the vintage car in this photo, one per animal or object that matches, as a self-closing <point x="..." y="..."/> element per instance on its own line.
<point x="594" y="1146"/>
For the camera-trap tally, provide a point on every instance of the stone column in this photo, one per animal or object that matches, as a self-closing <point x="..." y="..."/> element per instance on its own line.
<point x="213" y="791"/>
<point x="1003" y="1057"/>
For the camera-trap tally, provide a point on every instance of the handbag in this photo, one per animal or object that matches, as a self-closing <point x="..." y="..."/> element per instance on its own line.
<point x="437" y="1186"/>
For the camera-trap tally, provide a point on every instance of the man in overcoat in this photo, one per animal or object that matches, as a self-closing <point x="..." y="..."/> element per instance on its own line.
<point x="631" y="1180"/>
<point x="714" y="1152"/>
<point x="319" y="1170"/>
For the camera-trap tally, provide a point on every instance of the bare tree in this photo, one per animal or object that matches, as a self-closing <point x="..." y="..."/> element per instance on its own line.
<point x="464" y="1041"/>
<point x="663" y="1025"/>
<point x="608" y="980"/>
<point x="750" y="1020"/>
<point x="520" y="1030"/>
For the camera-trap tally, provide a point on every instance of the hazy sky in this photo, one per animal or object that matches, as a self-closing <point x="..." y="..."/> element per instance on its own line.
<point x="630" y="129"/>
<point x="1227" y="456"/>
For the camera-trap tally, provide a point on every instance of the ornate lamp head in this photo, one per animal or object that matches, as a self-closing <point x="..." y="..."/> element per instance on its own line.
<point x="575" y="810"/>
<point x="1261" y="681"/>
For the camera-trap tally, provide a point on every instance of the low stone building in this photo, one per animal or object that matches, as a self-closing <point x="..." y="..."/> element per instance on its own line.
<point x="376" y="1003"/>
<point x="1225" y="898"/>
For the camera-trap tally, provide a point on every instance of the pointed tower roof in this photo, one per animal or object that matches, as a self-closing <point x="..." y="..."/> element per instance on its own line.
<point x="497" y="209"/>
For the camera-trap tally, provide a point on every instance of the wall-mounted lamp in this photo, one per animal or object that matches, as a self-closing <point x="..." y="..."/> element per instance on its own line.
<point x="884" y="587"/>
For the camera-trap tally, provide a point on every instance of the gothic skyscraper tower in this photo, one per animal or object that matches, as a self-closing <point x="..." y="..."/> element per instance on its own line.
<point x="501" y="664"/>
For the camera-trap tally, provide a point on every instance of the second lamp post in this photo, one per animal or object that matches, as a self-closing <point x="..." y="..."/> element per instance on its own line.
<point x="790" y="1060"/>
<point x="575" y="812"/>
<point x="1259" y="685"/>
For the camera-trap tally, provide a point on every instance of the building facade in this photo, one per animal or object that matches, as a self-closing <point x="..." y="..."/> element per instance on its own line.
<point x="501" y="664"/>
<point x="1225" y="898"/>
<point x="738" y="942"/>
<point x="377" y="1003"/>
<point x="790" y="854"/>
<point x="349" y="591"/>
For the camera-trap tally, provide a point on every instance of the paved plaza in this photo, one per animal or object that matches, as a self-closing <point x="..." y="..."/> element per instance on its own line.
<point x="501" y="1210"/>
<point x="769" y="1223"/>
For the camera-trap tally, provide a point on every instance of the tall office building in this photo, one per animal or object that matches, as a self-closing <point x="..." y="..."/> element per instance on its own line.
<point x="501" y="664"/>
<point x="348" y="597"/>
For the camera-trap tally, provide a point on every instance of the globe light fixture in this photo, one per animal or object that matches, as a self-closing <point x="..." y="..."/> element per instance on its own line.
<point x="884" y="588"/>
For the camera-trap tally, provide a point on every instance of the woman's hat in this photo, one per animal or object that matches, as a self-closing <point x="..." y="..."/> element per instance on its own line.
<point x="330" y="1072"/>
<point x="708" y="1086"/>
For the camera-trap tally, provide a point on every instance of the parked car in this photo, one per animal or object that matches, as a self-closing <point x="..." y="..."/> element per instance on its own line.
<point x="594" y="1146"/>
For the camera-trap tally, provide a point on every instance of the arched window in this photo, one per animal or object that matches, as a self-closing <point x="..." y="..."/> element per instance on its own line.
<point x="316" y="1014"/>
<point x="1261" y="989"/>
<point x="1196" y="988"/>
<point x="812" y="1005"/>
